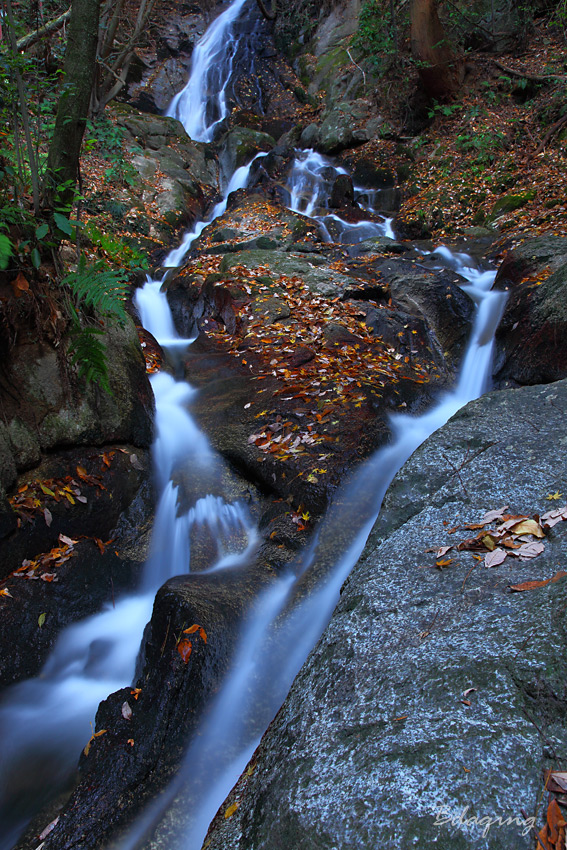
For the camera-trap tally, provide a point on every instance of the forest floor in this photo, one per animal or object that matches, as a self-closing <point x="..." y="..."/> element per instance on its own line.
<point x="495" y="157"/>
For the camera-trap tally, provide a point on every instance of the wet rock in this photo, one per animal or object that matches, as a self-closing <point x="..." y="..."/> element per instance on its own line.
<point x="180" y="176"/>
<point x="143" y="745"/>
<point x="342" y="193"/>
<point x="347" y="125"/>
<point x="241" y="145"/>
<point x="415" y="716"/>
<point x="91" y="506"/>
<point x="531" y="339"/>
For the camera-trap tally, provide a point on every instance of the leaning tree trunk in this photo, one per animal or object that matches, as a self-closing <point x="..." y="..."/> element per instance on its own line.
<point x="270" y="14"/>
<point x="72" y="110"/>
<point x="441" y="71"/>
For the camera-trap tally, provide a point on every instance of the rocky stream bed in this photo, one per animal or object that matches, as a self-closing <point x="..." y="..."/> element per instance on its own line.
<point x="438" y="687"/>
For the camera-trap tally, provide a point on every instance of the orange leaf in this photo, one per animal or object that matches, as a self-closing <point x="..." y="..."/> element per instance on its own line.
<point x="185" y="648"/>
<point x="555" y="821"/>
<point x="532" y="585"/>
<point x="20" y="284"/>
<point x="195" y="628"/>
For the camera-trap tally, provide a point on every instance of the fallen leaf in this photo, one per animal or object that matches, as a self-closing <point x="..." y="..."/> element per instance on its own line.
<point x="489" y="542"/>
<point x="553" y="496"/>
<point x="135" y="692"/>
<point x="528" y="526"/>
<point x="47" y="515"/>
<point x="41" y="620"/>
<point x="532" y="585"/>
<point x="442" y="551"/>
<point x="558" y="777"/>
<point x="67" y="540"/>
<point x="46" y="490"/>
<point x="126" y="711"/>
<point x="231" y="810"/>
<point x="492" y="515"/>
<point x="5" y="592"/>
<point x="195" y="628"/>
<point x="131" y="742"/>
<point x="494" y="558"/>
<point x="469" y="691"/>
<point x="49" y="828"/>
<point x="96" y="735"/>
<point x="185" y="648"/>
<point x="529" y="550"/>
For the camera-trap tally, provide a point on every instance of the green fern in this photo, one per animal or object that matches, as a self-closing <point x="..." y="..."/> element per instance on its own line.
<point x="88" y="354"/>
<point x="100" y="288"/>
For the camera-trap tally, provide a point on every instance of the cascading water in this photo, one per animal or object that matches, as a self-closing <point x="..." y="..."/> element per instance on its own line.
<point x="280" y="634"/>
<point x="201" y="105"/>
<point x="48" y="718"/>
<point x="310" y="182"/>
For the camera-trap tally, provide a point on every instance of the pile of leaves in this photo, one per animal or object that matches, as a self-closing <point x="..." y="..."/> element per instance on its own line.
<point x="503" y="536"/>
<point x="30" y="498"/>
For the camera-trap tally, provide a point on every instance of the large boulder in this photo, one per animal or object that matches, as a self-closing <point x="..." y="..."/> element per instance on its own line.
<point x="531" y="341"/>
<point x="435" y="700"/>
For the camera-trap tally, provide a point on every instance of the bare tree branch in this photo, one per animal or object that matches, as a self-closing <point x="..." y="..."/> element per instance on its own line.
<point x="50" y="27"/>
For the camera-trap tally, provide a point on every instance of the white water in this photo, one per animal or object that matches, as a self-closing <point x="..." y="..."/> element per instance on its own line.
<point x="279" y="635"/>
<point x="201" y="105"/>
<point x="310" y="182"/>
<point x="47" y="720"/>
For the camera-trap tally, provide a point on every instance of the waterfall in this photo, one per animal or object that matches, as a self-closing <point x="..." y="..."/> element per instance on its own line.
<point x="46" y="720"/>
<point x="201" y="105"/>
<point x="279" y="635"/>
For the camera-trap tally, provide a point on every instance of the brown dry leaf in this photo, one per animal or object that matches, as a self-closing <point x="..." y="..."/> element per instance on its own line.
<point x="492" y="515"/>
<point x="442" y="551"/>
<point x="556" y="823"/>
<point x="20" y="284"/>
<point x="532" y="585"/>
<point x="529" y="550"/>
<point x="494" y="558"/>
<point x="6" y="592"/>
<point x="126" y="711"/>
<point x="528" y="526"/>
<point x="48" y="516"/>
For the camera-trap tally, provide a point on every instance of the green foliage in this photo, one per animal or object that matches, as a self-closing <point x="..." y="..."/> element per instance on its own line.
<point x="6" y="250"/>
<point x="119" y="253"/>
<point x="101" y="289"/>
<point x="105" y="136"/>
<point x="485" y="145"/>
<point x="374" y="38"/>
<point x="446" y="109"/>
<point x="88" y="354"/>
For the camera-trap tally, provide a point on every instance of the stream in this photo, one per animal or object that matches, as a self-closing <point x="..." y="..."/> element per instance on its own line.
<point x="45" y="722"/>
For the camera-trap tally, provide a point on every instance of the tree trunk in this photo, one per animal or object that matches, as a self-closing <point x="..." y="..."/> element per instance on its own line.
<point x="441" y="71"/>
<point x="79" y="69"/>
<point x="272" y="14"/>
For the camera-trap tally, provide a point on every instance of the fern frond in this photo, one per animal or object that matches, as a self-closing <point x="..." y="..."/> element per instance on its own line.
<point x="102" y="289"/>
<point x="88" y="353"/>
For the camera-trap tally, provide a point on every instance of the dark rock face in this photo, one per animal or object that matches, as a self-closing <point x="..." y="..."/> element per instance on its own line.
<point x="532" y="336"/>
<point x="143" y="745"/>
<point x="430" y="694"/>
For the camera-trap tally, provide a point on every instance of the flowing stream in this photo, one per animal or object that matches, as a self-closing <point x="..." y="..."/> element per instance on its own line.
<point x="45" y="722"/>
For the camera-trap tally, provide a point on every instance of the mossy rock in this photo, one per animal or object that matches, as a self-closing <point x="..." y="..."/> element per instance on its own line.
<point x="509" y="203"/>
